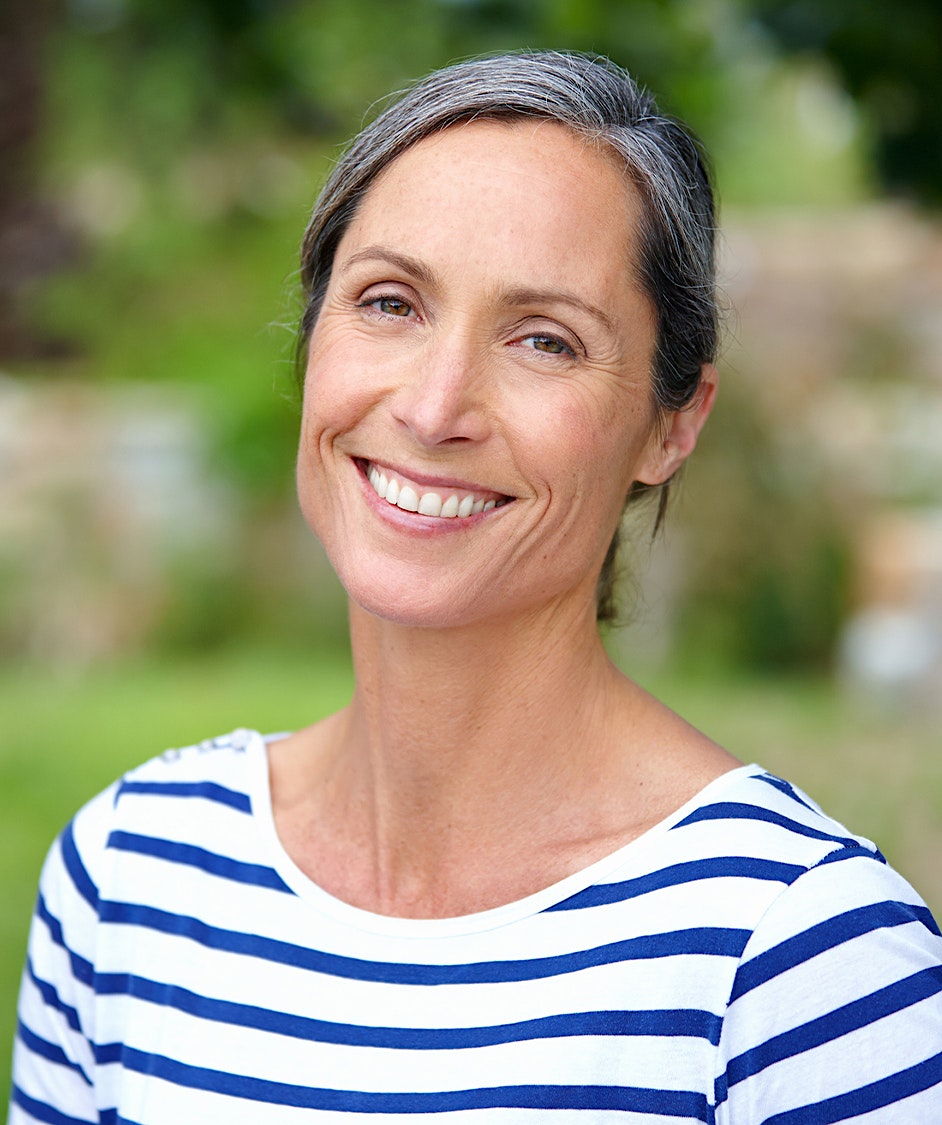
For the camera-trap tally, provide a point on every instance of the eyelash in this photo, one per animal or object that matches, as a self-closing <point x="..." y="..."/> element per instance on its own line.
<point x="391" y="298"/>
<point x="567" y="349"/>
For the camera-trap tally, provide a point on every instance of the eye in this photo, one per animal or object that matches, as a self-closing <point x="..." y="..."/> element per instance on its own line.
<point x="550" y="345"/>
<point x="388" y="305"/>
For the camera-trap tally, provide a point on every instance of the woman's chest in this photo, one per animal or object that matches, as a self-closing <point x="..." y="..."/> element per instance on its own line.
<point x="197" y="1022"/>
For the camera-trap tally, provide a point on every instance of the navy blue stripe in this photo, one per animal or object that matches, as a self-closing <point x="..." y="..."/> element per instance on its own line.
<point x="209" y="790"/>
<point x="675" y="1103"/>
<point x="81" y="969"/>
<point x="787" y="788"/>
<point x="52" y="999"/>
<point x="41" y="1111"/>
<point x="720" y="867"/>
<point x="826" y="935"/>
<point x="876" y="1095"/>
<point x="711" y="941"/>
<point x="110" y="1117"/>
<point x="859" y="852"/>
<point x="192" y="856"/>
<point x="662" y="1022"/>
<point x="736" y="810"/>
<point x="49" y="1051"/>
<point x="76" y="869"/>
<point x="860" y="1013"/>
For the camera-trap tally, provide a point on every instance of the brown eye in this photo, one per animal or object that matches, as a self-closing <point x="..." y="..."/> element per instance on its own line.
<point x="392" y="306"/>
<point x="551" y="345"/>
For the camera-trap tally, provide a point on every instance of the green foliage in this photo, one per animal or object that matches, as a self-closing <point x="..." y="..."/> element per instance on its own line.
<point x="157" y="78"/>
<point x="175" y="299"/>
<point x="771" y="584"/>
<point x="888" y="58"/>
<point x="272" y="587"/>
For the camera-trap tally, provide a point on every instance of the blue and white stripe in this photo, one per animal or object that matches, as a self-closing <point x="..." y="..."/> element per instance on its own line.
<point x="746" y="961"/>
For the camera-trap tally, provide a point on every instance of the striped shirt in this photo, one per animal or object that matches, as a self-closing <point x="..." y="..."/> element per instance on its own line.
<point x="747" y="960"/>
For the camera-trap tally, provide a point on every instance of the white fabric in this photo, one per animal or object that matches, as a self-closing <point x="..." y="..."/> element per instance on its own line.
<point x="745" y="961"/>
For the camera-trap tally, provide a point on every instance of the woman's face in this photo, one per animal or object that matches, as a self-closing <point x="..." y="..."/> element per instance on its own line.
<point x="478" y="394"/>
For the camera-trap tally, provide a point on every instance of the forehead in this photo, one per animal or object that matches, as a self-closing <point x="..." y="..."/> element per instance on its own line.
<point x="527" y="191"/>
<point x="531" y="141"/>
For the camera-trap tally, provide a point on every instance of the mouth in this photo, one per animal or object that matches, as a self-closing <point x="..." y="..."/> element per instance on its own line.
<point x="439" y="502"/>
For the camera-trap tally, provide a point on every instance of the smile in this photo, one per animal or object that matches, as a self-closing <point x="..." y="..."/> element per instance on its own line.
<point x="446" y="503"/>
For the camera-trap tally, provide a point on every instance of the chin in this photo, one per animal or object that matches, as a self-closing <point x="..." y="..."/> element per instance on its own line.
<point x="456" y="605"/>
<point x="417" y="606"/>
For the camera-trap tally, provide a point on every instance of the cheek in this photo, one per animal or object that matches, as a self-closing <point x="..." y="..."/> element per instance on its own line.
<point x="309" y="476"/>
<point x="601" y="436"/>
<point x="326" y="392"/>
<point x="338" y="387"/>
<point x="326" y="411"/>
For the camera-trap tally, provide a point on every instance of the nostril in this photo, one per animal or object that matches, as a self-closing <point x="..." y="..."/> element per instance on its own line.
<point x="443" y="404"/>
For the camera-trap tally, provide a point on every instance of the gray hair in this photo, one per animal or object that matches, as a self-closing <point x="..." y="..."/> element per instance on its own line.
<point x="593" y="97"/>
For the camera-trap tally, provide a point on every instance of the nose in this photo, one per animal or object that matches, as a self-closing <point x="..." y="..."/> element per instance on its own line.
<point x="443" y="398"/>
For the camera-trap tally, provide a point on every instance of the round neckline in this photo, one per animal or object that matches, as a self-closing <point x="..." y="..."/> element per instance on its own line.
<point x="387" y="925"/>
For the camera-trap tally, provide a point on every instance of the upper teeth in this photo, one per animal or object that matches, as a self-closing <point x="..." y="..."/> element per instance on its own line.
<point x="426" y="503"/>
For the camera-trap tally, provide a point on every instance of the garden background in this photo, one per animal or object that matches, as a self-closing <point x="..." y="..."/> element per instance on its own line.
<point x="158" y="159"/>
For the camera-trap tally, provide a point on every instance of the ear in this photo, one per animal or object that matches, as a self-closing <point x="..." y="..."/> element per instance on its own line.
<point x="676" y="435"/>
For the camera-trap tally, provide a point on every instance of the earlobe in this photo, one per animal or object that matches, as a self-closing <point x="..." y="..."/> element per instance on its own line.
<point x="676" y="439"/>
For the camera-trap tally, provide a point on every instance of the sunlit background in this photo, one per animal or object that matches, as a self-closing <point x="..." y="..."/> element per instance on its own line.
<point x="158" y="159"/>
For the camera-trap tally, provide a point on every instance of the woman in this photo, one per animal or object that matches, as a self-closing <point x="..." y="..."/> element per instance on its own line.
<point x="504" y="880"/>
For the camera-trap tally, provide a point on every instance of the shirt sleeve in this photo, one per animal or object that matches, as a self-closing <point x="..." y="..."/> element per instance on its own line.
<point x="836" y="1009"/>
<point x="54" y="1056"/>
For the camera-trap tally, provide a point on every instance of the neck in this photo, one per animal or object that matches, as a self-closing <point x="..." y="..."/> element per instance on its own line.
<point x="442" y="701"/>
<point x="458" y="738"/>
<point x="475" y="765"/>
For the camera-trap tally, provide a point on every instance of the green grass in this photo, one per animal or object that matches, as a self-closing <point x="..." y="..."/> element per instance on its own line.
<point x="63" y="739"/>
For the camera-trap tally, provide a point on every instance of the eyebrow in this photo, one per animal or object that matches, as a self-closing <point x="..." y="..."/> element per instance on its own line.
<point x="408" y="264"/>
<point x="519" y="295"/>
<point x="523" y="296"/>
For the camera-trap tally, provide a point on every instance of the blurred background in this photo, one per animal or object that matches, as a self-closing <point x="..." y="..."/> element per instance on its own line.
<point x="158" y="159"/>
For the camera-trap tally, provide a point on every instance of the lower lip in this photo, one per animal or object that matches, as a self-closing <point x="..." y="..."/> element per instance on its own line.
<point x="412" y="521"/>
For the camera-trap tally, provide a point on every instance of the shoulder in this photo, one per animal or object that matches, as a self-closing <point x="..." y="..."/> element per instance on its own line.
<point x="764" y="816"/>
<point x="111" y="853"/>
<point x="838" y="900"/>
<point x="208" y="782"/>
<point x="824" y="882"/>
<point x="213" y="771"/>
<point x="836" y="1003"/>
<point x="741" y="844"/>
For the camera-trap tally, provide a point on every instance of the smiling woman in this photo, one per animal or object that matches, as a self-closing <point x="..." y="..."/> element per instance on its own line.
<point x="503" y="880"/>
<point x="483" y="340"/>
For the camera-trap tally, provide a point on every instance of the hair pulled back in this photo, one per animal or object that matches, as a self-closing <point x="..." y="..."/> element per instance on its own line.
<point x="674" y="258"/>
